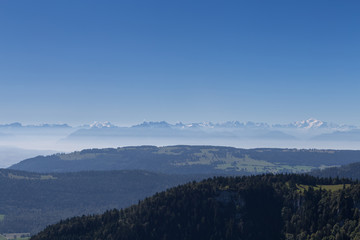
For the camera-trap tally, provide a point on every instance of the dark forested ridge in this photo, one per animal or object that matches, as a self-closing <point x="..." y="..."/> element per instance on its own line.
<point x="271" y="207"/>
<point x="347" y="171"/>
<point x="31" y="201"/>
<point x="191" y="160"/>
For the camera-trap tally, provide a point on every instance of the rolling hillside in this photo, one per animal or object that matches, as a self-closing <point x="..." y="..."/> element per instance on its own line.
<point x="191" y="160"/>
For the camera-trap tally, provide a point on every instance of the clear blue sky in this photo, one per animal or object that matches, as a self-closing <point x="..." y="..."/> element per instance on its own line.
<point x="77" y="61"/>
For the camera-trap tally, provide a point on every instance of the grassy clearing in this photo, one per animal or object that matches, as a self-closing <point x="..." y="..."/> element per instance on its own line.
<point x="246" y="163"/>
<point x="169" y="151"/>
<point x="332" y="188"/>
<point x="17" y="237"/>
<point x="4" y="238"/>
<point x="47" y="177"/>
<point x="2" y="217"/>
<point x="78" y="156"/>
<point x="42" y="177"/>
<point x="229" y="162"/>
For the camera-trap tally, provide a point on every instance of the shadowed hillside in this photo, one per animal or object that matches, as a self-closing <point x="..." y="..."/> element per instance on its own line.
<point x="31" y="201"/>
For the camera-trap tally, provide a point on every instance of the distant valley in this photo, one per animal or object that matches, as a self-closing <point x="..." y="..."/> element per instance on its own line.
<point x="13" y="155"/>
<point x="30" y="201"/>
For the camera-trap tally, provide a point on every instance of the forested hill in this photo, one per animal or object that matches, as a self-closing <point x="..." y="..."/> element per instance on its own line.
<point x="31" y="201"/>
<point x="347" y="171"/>
<point x="271" y="207"/>
<point x="191" y="159"/>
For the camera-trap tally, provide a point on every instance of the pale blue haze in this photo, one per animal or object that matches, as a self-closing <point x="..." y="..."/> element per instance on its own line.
<point x="129" y="61"/>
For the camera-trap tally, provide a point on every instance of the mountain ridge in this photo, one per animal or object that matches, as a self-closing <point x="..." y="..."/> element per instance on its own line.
<point x="258" y="207"/>
<point x="310" y="123"/>
<point x="185" y="159"/>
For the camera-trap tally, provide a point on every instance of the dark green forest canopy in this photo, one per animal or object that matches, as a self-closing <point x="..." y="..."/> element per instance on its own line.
<point x="347" y="171"/>
<point x="252" y="208"/>
<point x="192" y="160"/>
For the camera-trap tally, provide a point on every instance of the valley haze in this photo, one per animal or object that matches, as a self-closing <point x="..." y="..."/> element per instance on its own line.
<point x="19" y="141"/>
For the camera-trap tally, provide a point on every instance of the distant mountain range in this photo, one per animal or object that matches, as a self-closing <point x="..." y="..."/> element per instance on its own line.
<point x="311" y="133"/>
<point x="44" y="125"/>
<point x="311" y="129"/>
<point x="304" y="124"/>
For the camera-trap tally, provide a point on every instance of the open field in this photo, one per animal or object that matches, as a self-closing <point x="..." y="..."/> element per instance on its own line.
<point x="332" y="188"/>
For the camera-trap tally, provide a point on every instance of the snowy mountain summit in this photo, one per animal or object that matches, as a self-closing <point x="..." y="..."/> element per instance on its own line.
<point x="102" y="125"/>
<point x="310" y="123"/>
<point x="313" y="123"/>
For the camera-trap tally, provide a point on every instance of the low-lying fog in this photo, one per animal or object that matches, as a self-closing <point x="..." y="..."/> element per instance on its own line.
<point x="16" y="148"/>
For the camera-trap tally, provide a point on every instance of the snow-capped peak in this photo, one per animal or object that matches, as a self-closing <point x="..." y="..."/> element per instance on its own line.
<point x="310" y="123"/>
<point x="101" y="125"/>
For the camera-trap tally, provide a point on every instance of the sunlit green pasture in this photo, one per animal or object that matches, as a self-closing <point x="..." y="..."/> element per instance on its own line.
<point x="302" y="187"/>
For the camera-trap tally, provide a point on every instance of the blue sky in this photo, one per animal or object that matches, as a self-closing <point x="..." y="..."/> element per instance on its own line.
<point x="128" y="61"/>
